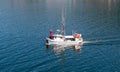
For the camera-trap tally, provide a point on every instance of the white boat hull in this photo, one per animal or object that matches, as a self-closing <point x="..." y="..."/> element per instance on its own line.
<point x="66" y="42"/>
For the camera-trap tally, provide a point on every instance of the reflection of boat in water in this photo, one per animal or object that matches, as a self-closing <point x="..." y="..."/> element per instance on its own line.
<point x="61" y="51"/>
<point x="61" y="48"/>
<point x="60" y="38"/>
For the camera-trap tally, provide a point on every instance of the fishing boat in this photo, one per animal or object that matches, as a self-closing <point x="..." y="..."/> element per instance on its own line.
<point x="60" y="38"/>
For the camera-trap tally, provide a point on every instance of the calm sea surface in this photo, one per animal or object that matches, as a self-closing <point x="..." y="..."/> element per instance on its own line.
<point x="24" y="25"/>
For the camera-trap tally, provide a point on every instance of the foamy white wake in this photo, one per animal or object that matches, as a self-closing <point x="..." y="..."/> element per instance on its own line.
<point x="101" y="41"/>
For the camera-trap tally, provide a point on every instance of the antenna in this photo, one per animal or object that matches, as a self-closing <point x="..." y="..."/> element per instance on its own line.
<point x="63" y="22"/>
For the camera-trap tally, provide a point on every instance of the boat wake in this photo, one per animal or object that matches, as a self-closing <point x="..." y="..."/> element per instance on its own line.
<point x="102" y="41"/>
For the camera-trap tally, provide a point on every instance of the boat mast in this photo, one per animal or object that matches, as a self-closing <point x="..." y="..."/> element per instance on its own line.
<point x="63" y="23"/>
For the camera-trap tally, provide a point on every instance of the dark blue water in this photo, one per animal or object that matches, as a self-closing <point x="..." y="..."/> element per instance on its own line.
<point x="24" y="25"/>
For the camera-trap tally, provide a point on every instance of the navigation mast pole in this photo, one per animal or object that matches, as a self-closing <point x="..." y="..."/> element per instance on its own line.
<point x="63" y="22"/>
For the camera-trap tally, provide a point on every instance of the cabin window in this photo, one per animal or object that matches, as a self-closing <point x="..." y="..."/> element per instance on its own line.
<point x="72" y="39"/>
<point x="61" y="37"/>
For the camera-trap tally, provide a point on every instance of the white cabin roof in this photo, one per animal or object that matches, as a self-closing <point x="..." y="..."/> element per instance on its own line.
<point x="66" y="36"/>
<point x="69" y="36"/>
